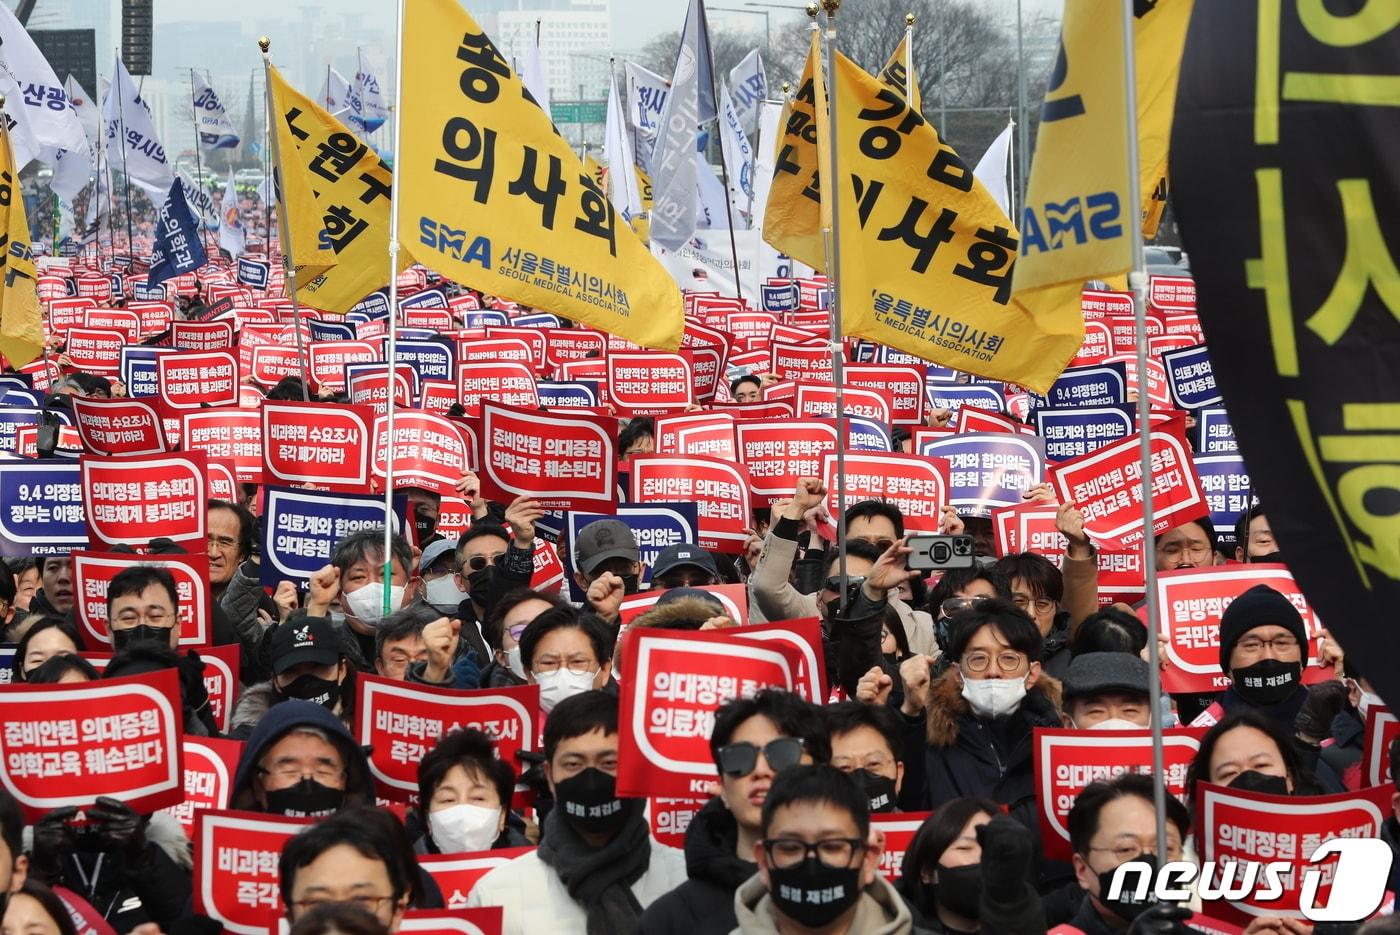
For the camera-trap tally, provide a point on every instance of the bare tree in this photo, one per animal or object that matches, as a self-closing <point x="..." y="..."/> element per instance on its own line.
<point x="727" y="47"/>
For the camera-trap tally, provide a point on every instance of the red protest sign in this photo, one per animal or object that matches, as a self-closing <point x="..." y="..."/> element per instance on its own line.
<point x="116" y="319"/>
<point x="429" y="451"/>
<point x="904" y="383"/>
<point x="899" y="829"/>
<point x="437" y="396"/>
<point x="805" y="363"/>
<point x="223" y="479"/>
<point x="95" y="350"/>
<point x="1067" y="760"/>
<point x="1098" y="305"/>
<point x="1098" y="344"/>
<point x="477" y="920"/>
<point x="1382" y="728"/>
<point x="236" y="856"/>
<point x="201" y="335"/>
<point x="93" y="573"/>
<point x="669" y="819"/>
<point x="504" y="381"/>
<point x="1030" y="527"/>
<point x="818" y="401"/>
<point x="456" y="874"/>
<point x="1190" y="603"/>
<point x="710" y="434"/>
<point x="371" y="388"/>
<point x="718" y="488"/>
<point x="221" y="680"/>
<point x="233" y="435"/>
<point x="194" y="379"/>
<point x="568" y="462"/>
<point x="95" y="287"/>
<point x="134" y="500"/>
<point x="672" y="684"/>
<point x="734" y="597"/>
<point x="402" y="722"/>
<point x="155" y="316"/>
<point x="803" y="636"/>
<point x="117" y="426"/>
<point x="650" y="382"/>
<point x="497" y="350"/>
<point x="327" y="360"/>
<point x="433" y="319"/>
<point x="270" y="363"/>
<point x="971" y="419"/>
<point x="916" y="484"/>
<point x="1171" y="293"/>
<point x="1106" y="486"/>
<point x="67" y="744"/>
<point x="757" y="411"/>
<point x="778" y="453"/>
<point x="69" y="313"/>
<point x="1250" y="827"/>
<point x="322" y="444"/>
<point x="534" y="339"/>
<point x="566" y="345"/>
<point x="209" y="768"/>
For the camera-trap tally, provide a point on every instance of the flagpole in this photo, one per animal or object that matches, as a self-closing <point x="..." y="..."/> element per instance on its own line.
<point x="392" y="350"/>
<point x="723" y="166"/>
<point x="198" y="166"/>
<point x="1137" y="280"/>
<point x="909" y="58"/>
<point x="289" y="265"/>
<point x="126" y="179"/>
<point x="1011" y="170"/>
<point x="829" y="190"/>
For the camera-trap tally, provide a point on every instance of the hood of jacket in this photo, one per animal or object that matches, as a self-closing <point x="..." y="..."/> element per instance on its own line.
<point x="947" y="707"/>
<point x="279" y="720"/>
<point x="880" y="910"/>
<point x="709" y="848"/>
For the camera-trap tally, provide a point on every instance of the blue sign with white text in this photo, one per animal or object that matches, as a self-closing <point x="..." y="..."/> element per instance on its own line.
<point x="41" y="508"/>
<point x="989" y="470"/>
<point x="1190" y="378"/>
<point x="432" y="360"/>
<point x="302" y="527"/>
<point x="1078" y="430"/>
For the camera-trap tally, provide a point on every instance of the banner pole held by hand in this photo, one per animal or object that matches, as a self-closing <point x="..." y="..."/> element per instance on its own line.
<point x="392" y="345"/>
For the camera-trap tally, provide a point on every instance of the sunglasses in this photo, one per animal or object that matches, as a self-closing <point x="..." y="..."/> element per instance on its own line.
<point x="833" y="584"/>
<point x="478" y="562"/>
<point x="956" y="605"/>
<point x="739" y="759"/>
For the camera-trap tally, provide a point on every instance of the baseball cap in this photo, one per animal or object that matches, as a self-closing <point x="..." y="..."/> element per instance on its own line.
<point x="1092" y="673"/>
<point x="435" y="550"/>
<point x="601" y="540"/>
<point x="678" y="556"/>
<point x="304" y="639"/>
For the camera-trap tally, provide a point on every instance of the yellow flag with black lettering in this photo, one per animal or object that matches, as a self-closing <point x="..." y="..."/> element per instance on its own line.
<point x="495" y="199"/>
<point x="796" y="215"/>
<point x="898" y="72"/>
<point x="333" y="203"/>
<point x="21" y="327"/>
<point x="642" y="223"/>
<point x="926" y="253"/>
<point x="1074" y="226"/>
<point x="1159" y="37"/>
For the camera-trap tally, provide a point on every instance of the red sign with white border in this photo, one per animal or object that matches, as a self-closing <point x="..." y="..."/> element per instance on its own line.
<point x="322" y="444"/>
<point x="93" y="573"/>
<point x="719" y="488"/>
<point x="650" y="382"/>
<point x="134" y="500"/>
<point x="118" y="427"/>
<point x="236" y="857"/>
<point x="209" y="767"/>
<point x="456" y="874"/>
<point x="567" y="462"/>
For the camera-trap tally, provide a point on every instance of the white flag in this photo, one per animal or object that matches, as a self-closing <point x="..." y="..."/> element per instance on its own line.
<point x="738" y="159"/>
<point x="626" y="193"/>
<point x="89" y="116"/>
<point x="37" y="93"/>
<point x="711" y="213"/>
<point x="340" y="98"/>
<point x="372" y="112"/>
<point x="748" y="86"/>
<point x="647" y="93"/>
<point x="132" y="145"/>
<point x="991" y="171"/>
<point x="533" y="75"/>
<point x="231" y="233"/>
<point x="673" y="160"/>
<point x="200" y="201"/>
<point x="72" y="170"/>
<point x="215" y="129"/>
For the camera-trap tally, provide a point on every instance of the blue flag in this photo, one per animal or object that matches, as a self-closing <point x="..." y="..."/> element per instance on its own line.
<point x="178" y="248"/>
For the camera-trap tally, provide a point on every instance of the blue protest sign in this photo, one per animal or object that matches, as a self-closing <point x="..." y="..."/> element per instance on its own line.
<point x="143" y="292"/>
<point x="431" y="360"/>
<point x="1225" y="483"/>
<point x="989" y="470"/>
<point x="885" y="354"/>
<point x="12" y="417"/>
<point x="780" y="298"/>
<point x="138" y="369"/>
<point x="7" y="663"/>
<point x="426" y="298"/>
<point x="21" y="397"/>
<point x="374" y="305"/>
<point x="559" y="394"/>
<point x="254" y="273"/>
<point x="41" y="508"/>
<point x="1190" y="377"/>
<point x="330" y="330"/>
<point x="538" y="320"/>
<point x="867" y="435"/>
<point x="118" y="285"/>
<point x="1214" y="433"/>
<point x="16" y="381"/>
<point x="1095" y="385"/>
<point x="484" y="318"/>
<point x="956" y="395"/>
<point x="1078" y="430"/>
<point x="302" y="527"/>
<point x="656" y="526"/>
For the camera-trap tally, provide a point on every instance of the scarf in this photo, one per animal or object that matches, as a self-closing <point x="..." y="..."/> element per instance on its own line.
<point x="600" y="879"/>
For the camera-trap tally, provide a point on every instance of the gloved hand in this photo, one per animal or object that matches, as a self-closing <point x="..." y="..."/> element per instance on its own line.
<point x="192" y="681"/>
<point x="54" y="840"/>
<point x="120" y="828"/>
<point x="1325" y="701"/>
<point x="1161" y="919"/>
<point x="466" y="671"/>
<point x="1007" y="850"/>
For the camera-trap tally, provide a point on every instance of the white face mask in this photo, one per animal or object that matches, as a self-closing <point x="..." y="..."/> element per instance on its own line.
<point x="443" y="591"/>
<point x="367" y="604"/>
<point x="560" y="684"/>
<point x="513" y="662"/>
<point x="993" y="698"/>
<point x="1366" y="701"/>
<point x="464" y="828"/>
<point x="1115" y="723"/>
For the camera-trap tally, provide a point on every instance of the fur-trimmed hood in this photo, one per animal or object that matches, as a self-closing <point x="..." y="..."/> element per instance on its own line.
<point x="685" y="613"/>
<point x="947" y="706"/>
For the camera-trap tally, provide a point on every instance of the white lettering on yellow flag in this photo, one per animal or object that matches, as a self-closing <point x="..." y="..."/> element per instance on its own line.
<point x="491" y="196"/>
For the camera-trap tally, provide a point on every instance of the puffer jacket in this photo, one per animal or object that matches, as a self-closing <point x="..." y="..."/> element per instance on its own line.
<point x="704" y="904"/>
<point x="880" y="911"/>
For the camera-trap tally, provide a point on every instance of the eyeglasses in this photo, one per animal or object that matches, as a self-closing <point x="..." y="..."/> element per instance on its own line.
<point x="1131" y="848"/>
<point x="740" y="759"/>
<point x="833" y="584"/>
<point x="369" y="904"/>
<point x="223" y="542"/>
<point x="1281" y="644"/>
<point x="1196" y="550"/>
<point x="1042" y="605"/>
<point x="1007" y="661"/>
<point x="155" y="617"/>
<point x="543" y="665"/>
<point x="324" y="773"/>
<point x="956" y="605"/>
<point x="833" y="852"/>
<point x="849" y="764"/>
<point x="478" y="562"/>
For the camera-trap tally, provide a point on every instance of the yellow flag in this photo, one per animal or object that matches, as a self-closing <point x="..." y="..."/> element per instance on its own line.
<point x="21" y="328"/>
<point x="333" y="203"/>
<point x="926" y="254"/>
<point x="595" y="171"/>
<point x="1075" y="223"/>
<point x="495" y="199"/>
<point x="1159" y="36"/>
<point x="642" y="222"/>
<point x="795" y="215"/>
<point x="898" y="72"/>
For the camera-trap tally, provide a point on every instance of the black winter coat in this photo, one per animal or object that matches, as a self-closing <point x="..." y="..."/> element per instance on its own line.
<point x="704" y="904"/>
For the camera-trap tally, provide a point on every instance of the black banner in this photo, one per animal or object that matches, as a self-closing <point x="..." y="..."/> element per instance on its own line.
<point x="1284" y="180"/>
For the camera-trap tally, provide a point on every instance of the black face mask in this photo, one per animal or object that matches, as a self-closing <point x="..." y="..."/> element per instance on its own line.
<point x="121" y="639"/>
<point x="630" y="583"/>
<point x="959" y="890"/>
<point x="307" y="799"/>
<point x="1251" y="780"/>
<point x="878" y="789"/>
<point x="813" y="894"/>
<point x="1267" y="557"/>
<point x="1268" y="681"/>
<point x="424" y="525"/>
<point x="588" y="800"/>
<point x="1124" y="907"/>
<point x="940" y="633"/>
<point x="308" y="687"/>
<point x="479" y="583"/>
